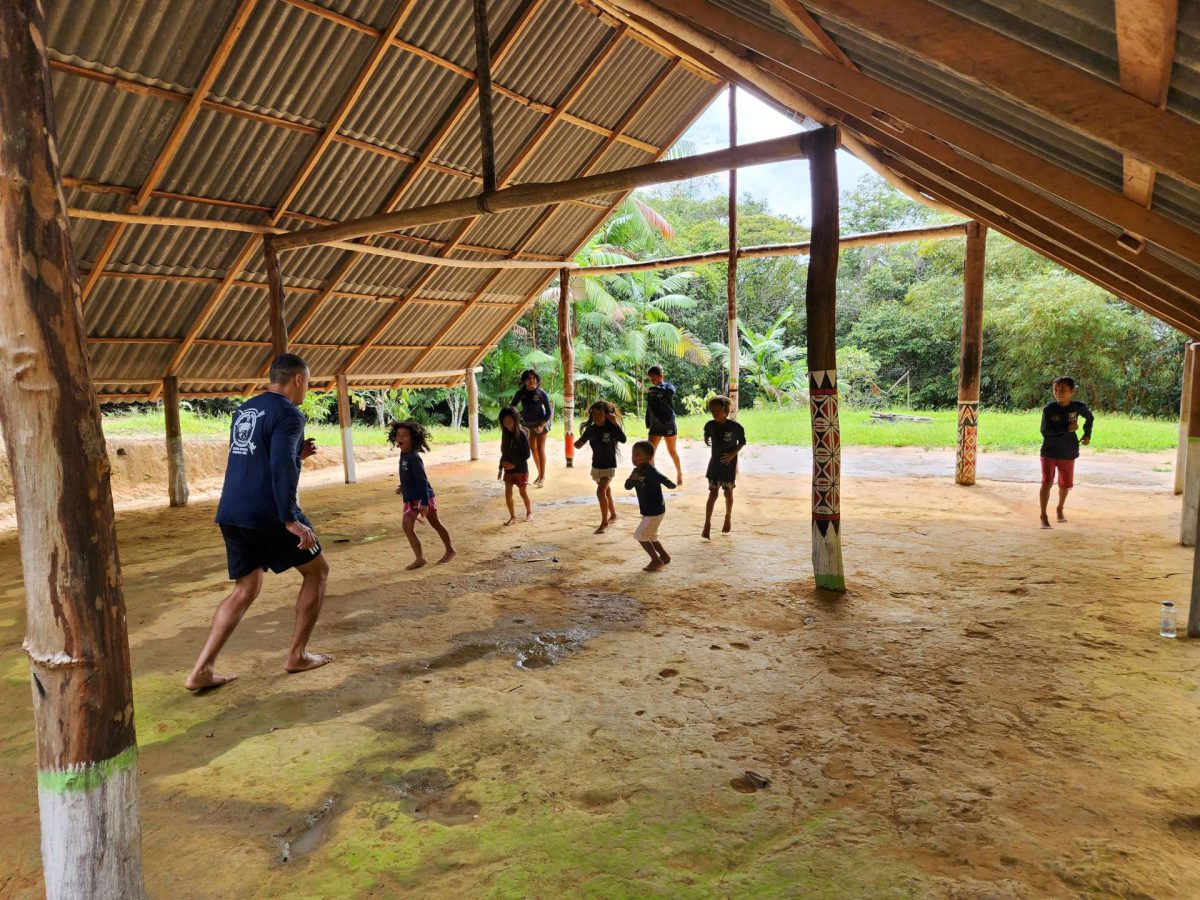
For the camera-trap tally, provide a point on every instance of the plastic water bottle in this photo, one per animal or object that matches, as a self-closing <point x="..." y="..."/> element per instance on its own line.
<point x="1166" y="624"/>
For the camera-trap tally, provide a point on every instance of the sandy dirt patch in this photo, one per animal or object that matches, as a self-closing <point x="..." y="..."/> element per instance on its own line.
<point x="988" y="712"/>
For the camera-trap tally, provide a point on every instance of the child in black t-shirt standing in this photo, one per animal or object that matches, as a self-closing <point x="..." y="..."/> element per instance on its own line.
<point x="648" y="482"/>
<point x="726" y="437"/>
<point x="419" y="502"/>
<point x="603" y="431"/>
<point x="514" y="462"/>
<point x="660" y="416"/>
<point x="1060" y="444"/>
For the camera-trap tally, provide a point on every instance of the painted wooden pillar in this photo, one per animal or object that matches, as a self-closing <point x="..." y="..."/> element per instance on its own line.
<point x="820" y="300"/>
<point x="275" y="300"/>
<point x="972" y="354"/>
<point x="732" y="265"/>
<point x="346" y="423"/>
<point x="76" y="636"/>
<point x="1191" y="471"/>
<point x="473" y="412"/>
<point x="1185" y="399"/>
<point x="566" y="350"/>
<point x="177" y="486"/>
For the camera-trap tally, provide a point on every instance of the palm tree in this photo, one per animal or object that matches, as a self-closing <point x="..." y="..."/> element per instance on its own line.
<point x="774" y="368"/>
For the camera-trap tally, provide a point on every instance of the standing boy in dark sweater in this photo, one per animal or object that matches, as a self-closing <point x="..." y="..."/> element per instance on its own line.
<point x="1060" y="444"/>
<point x="648" y="482"/>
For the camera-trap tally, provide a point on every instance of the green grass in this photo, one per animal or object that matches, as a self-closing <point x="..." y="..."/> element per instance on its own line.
<point x="1014" y="431"/>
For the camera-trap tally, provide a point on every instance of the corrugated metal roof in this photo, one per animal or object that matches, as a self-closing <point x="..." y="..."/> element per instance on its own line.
<point x="122" y="75"/>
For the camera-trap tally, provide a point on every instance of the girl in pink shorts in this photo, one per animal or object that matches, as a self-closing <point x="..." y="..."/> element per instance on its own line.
<point x="419" y="502"/>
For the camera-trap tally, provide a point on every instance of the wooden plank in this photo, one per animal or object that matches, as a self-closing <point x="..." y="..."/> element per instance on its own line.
<point x="483" y="82"/>
<point x="731" y="261"/>
<point x="971" y="355"/>
<point x="801" y="19"/>
<point x="75" y="632"/>
<point x="1145" y="52"/>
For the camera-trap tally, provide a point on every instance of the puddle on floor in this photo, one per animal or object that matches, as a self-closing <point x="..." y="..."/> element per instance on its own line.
<point x="304" y="838"/>
<point x="427" y="795"/>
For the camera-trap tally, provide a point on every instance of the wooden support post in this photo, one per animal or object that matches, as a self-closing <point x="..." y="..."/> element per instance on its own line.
<point x="1193" y="622"/>
<point x="177" y="486"/>
<point x="1185" y="405"/>
<point x="344" y="420"/>
<point x="483" y="73"/>
<point x="1191" y="466"/>
<point x="820" y="299"/>
<point x="971" y="359"/>
<point x="473" y="413"/>
<point x="76" y="636"/>
<point x="566" y="350"/>
<point x="731" y="276"/>
<point x="275" y="300"/>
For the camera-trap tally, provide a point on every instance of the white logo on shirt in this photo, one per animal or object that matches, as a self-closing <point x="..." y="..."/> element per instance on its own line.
<point x="243" y="431"/>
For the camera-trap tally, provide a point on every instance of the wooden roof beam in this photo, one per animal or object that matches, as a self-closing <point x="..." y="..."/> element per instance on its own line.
<point x="802" y="20"/>
<point x="1146" y="52"/>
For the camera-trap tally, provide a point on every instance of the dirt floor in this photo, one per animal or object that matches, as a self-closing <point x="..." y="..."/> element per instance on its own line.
<point x="988" y="712"/>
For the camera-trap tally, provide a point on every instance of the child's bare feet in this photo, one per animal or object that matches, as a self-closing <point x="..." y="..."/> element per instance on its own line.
<point x="664" y="558"/>
<point x="447" y="556"/>
<point x="528" y="517"/>
<point x="512" y="520"/>
<point x="207" y="680"/>
<point x="727" y="527"/>
<point x="308" y="661"/>
<point x="603" y="528"/>
<point x="1061" y="515"/>
<point x="1045" y="521"/>
<point x="416" y="563"/>
<point x="653" y="566"/>
<point x="707" y="532"/>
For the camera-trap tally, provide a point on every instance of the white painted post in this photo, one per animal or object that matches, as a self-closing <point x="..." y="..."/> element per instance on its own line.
<point x="473" y="412"/>
<point x="1185" y="400"/>
<point x="343" y="392"/>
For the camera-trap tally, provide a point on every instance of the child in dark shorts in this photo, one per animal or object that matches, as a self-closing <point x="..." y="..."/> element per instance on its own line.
<point x="514" y="461"/>
<point x="726" y="437"/>
<point x="660" y="416"/>
<point x="419" y="501"/>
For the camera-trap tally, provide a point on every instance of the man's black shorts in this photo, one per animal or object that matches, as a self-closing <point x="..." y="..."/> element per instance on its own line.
<point x="277" y="549"/>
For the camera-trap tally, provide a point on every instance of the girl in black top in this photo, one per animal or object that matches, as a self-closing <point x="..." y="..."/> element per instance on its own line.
<point x="514" y="462"/>
<point x="536" y="412"/>
<point x="419" y="502"/>
<point x="660" y="416"/>
<point x="603" y="431"/>
<point x="726" y="437"/>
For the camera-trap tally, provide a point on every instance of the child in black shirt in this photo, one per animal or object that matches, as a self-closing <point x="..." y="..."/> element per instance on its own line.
<point x="726" y="437"/>
<point x="1060" y="445"/>
<point x="603" y="431"/>
<point x="660" y="416"/>
<point x="514" y="462"/>
<point x="536" y="413"/>
<point x="414" y="487"/>
<point x="648" y="482"/>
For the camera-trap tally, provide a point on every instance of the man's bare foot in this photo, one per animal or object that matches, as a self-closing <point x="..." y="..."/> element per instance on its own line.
<point x="206" y="681"/>
<point x="511" y="520"/>
<point x="308" y="661"/>
<point x="415" y="564"/>
<point x="1062" y="517"/>
<point x="727" y="527"/>
<point x="707" y="533"/>
<point x="1045" y="521"/>
<point x="603" y="528"/>
<point x="447" y="556"/>
<point x="664" y="558"/>
<point x="653" y="566"/>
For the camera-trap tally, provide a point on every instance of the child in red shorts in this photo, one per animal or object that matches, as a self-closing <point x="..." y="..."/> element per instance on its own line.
<point x="1060" y="444"/>
<point x="514" y="461"/>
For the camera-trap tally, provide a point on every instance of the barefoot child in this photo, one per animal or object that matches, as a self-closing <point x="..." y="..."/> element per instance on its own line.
<point x="413" y="440"/>
<point x="603" y="431"/>
<point x="660" y="416"/>
<point x="514" y="461"/>
<point x="536" y="413"/>
<point x="1060" y="444"/>
<point x="726" y="437"/>
<point x="648" y="482"/>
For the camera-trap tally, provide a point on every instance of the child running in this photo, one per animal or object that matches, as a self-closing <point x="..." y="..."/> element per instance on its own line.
<point x="514" y="462"/>
<point x="603" y="431"/>
<point x="1060" y="444"/>
<point x="648" y="482"/>
<point x="726" y="437"/>
<point x="413" y="440"/>
<point x="660" y="416"/>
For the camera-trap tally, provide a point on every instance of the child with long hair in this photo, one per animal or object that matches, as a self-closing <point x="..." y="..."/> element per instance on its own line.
<point x="412" y="439"/>
<point x="603" y="432"/>
<point x="648" y="482"/>
<point x="660" y="416"/>
<point x="536" y="413"/>
<point x="514" y="462"/>
<point x="726" y="437"/>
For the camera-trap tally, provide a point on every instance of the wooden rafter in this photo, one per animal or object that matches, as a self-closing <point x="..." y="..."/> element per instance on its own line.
<point x="1146" y="52"/>
<point x="169" y="148"/>
<point x="802" y="20"/>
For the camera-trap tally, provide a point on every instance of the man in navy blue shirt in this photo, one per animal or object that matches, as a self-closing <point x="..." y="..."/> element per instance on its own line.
<point x="261" y="520"/>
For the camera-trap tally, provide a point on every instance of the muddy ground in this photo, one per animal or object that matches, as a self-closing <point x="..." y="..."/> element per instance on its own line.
<point x="988" y="712"/>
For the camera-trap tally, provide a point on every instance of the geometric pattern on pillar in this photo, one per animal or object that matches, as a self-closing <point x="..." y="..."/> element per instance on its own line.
<point x="826" y="480"/>
<point x="968" y="427"/>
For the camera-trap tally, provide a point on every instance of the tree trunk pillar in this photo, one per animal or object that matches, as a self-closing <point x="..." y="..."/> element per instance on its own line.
<point x="971" y="360"/>
<point x="566" y="349"/>
<point x="275" y="304"/>
<point x="731" y="276"/>
<point x="346" y="423"/>
<point x="473" y="412"/>
<point x="820" y="300"/>
<point x="1185" y="400"/>
<point x="76" y="637"/>
<point x="177" y="486"/>
<point x="1191" y="467"/>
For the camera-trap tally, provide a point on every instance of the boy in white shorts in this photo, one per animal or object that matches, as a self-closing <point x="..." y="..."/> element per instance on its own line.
<point x="648" y="482"/>
<point x="603" y="431"/>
